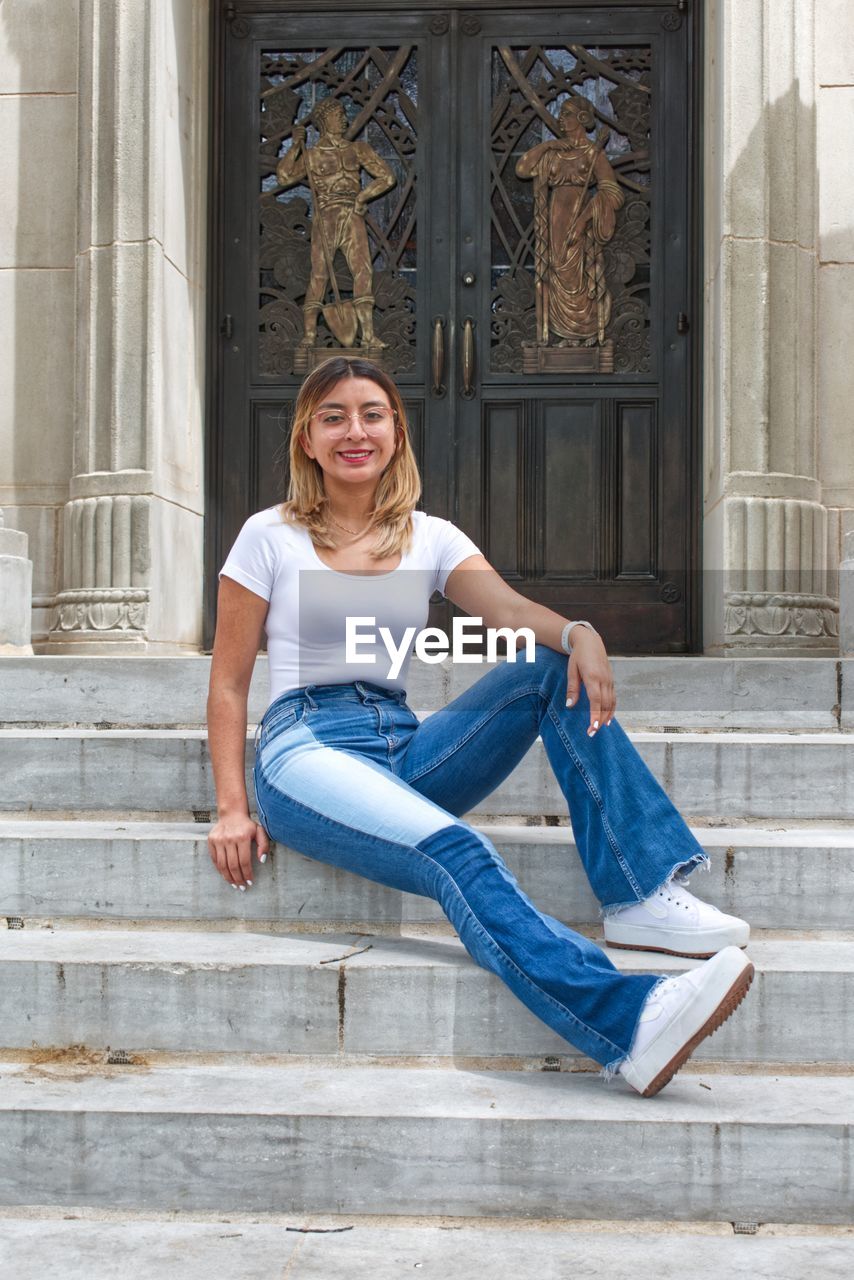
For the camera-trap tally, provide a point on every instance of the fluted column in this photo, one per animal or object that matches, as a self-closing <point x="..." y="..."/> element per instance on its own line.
<point x="132" y="562"/>
<point x="777" y="575"/>
<point x="767" y="582"/>
<point x="106" y="565"/>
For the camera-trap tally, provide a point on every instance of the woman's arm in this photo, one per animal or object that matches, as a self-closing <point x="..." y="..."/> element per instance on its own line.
<point x="240" y="618"/>
<point x="484" y="594"/>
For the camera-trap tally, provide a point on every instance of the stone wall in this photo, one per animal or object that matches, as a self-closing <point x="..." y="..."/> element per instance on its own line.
<point x="835" y="400"/>
<point x="132" y="529"/>
<point x="770" y="563"/>
<point x="38" y="216"/>
<point x="103" y="130"/>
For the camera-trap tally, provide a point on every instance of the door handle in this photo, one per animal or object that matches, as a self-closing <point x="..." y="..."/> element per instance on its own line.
<point x="468" y="358"/>
<point x="438" y="355"/>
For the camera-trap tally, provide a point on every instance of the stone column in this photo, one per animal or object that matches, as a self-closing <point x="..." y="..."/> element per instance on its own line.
<point x="846" y="598"/>
<point x="835" y="110"/>
<point x="766" y="584"/>
<point x="132" y="558"/>
<point x="16" y="592"/>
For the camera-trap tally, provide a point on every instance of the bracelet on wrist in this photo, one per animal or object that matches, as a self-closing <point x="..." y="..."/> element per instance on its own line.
<point x="564" y="635"/>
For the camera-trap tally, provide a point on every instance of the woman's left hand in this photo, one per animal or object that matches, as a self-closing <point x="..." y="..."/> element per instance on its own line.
<point x="588" y="663"/>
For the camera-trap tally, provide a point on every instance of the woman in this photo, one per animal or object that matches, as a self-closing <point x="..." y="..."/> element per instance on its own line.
<point x="346" y="773"/>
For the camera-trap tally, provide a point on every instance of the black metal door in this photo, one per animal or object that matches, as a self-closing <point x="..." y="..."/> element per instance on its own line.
<point x="534" y="303"/>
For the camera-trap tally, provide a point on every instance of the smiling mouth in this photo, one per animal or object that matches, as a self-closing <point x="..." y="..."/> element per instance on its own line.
<point x="356" y="453"/>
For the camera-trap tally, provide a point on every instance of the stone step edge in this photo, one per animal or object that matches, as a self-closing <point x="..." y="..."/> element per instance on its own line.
<point x="225" y="950"/>
<point x="439" y="928"/>
<point x="816" y="833"/>
<point x="70" y="1241"/>
<point x="380" y="929"/>
<point x="54" y="1061"/>
<point x="98" y="1216"/>
<point x="744" y="737"/>
<point x="494" y="1095"/>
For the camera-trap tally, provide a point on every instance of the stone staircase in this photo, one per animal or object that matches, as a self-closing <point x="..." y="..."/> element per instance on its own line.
<point x="320" y="1053"/>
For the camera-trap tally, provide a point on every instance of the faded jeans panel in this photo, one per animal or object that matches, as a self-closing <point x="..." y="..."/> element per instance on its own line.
<point x="347" y="774"/>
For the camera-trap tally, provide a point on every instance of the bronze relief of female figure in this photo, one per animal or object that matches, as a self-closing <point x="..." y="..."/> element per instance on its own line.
<point x="576" y="198"/>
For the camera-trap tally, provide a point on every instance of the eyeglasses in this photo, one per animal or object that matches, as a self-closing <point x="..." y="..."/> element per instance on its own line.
<point x="336" y="420"/>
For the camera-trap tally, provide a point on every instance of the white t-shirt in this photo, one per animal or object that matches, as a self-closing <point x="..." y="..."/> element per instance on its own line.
<point x="311" y="604"/>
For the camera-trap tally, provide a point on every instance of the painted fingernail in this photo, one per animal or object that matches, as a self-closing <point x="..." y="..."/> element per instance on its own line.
<point x="263" y="857"/>
<point x="249" y="882"/>
<point x="595" y="724"/>
<point x="569" y="702"/>
<point x="233" y="885"/>
<point x="242" y="888"/>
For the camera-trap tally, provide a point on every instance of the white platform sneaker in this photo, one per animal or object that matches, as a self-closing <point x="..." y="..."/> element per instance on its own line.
<point x="681" y="1012"/>
<point x="676" y="922"/>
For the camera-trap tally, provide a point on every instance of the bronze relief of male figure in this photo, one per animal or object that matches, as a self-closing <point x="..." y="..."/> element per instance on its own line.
<point x="333" y="169"/>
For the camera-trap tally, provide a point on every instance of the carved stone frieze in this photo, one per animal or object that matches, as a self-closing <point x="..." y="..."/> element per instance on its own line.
<point x="780" y="615"/>
<point x="102" y="610"/>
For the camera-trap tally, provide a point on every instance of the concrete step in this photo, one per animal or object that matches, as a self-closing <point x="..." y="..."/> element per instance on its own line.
<point x="313" y="1138"/>
<point x="352" y="1247"/>
<point x="685" y="692"/>
<point x="370" y="995"/>
<point x="779" y="876"/>
<point x="719" y="775"/>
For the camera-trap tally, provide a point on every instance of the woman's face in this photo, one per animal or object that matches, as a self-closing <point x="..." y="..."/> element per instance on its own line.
<point x="352" y="432"/>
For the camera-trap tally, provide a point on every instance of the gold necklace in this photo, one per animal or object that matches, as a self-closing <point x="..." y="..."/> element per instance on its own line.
<point x="356" y="533"/>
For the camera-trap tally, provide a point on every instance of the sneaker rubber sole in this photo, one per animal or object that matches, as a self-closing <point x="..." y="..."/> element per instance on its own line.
<point x="639" y="937"/>
<point x="727" y="1005"/>
<point x="669" y="951"/>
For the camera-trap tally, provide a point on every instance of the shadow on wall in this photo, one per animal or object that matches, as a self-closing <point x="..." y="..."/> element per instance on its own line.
<point x="779" y="347"/>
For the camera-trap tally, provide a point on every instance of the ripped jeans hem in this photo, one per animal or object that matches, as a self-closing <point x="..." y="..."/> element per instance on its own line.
<point x="681" y="868"/>
<point x="612" y="1068"/>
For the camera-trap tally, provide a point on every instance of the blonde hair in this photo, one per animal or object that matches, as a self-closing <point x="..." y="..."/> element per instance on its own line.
<point x="399" y="486"/>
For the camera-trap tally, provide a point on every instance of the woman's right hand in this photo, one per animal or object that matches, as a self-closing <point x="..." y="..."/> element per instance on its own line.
<point x="230" y="847"/>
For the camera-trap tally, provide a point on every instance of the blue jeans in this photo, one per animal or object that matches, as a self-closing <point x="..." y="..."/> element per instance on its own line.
<point x="347" y="774"/>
